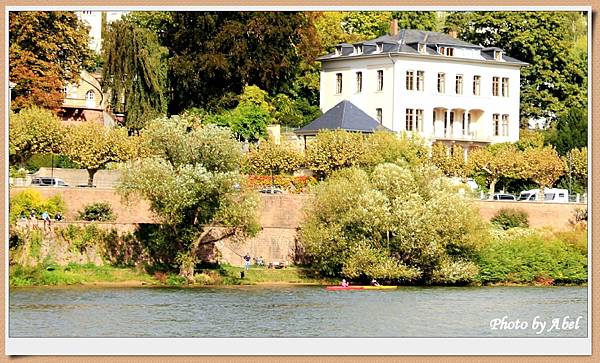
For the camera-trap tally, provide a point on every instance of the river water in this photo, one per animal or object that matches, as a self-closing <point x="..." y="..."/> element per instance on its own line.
<point x="296" y="311"/>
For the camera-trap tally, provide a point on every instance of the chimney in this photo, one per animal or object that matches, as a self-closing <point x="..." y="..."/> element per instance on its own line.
<point x="394" y="27"/>
<point x="453" y="33"/>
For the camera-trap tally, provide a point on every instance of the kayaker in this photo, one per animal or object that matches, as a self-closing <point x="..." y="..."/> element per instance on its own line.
<point x="374" y="283"/>
<point x="345" y="283"/>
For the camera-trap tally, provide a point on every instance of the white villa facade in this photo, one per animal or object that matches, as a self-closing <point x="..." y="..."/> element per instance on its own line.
<point x="433" y="84"/>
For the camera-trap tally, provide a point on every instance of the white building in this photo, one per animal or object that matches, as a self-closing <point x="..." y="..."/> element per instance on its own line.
<point x="443" y="88"/>
<point x="93" y="19"/>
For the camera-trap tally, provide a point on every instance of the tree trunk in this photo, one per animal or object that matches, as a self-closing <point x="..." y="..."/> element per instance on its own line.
<point x="91" y="173"/>
<point x="492" y="188"/>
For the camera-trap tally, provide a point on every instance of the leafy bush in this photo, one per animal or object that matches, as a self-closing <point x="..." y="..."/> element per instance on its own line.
<point x="395" y="223"/>
<point x="31" y="199"/>
<point x="99" y="211"/>
<point x="269" y="158"/>
<point x="526" y="259"/>
<point x="507" y="218"/>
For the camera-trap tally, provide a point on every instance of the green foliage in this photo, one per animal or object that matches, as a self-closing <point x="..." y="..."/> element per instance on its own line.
<point x="571" y="131"/>
<point x="422" y="20"/>
<point x="135" y="70"/>
<point x="93" y="146"/>
<point x="334" y="150"/>
<point x="507" y="218"/>
<point x="527" y="257"/>
<point x="31" y="199"/>
<point x="33" y="130"/>
<point x="268" y="157"/>
<point x="395" y="223"/>
<point x="49" y="274"/>
<point x="451" y="161"/>
<point x="368" y="24"/>
<point x="210" y="54"/>
<point x="189" y="178"/>
<point x="37" y="161"/>
<point x="48" y="49"/>
<point x="386" y="147"/>
<point x="99" y="211"/>
<point x="295" y="112"/>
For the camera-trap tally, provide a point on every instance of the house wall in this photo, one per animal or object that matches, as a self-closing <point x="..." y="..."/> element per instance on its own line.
<point x="395" y="98"/>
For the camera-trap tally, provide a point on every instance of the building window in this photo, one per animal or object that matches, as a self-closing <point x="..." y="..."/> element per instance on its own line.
<point x="379" y="47"/>
<point x="496" y="124"/>
<point x="446" y="51"/>
<point x="410" y="116"/>
<point x="358" y="49"/>
<point x="380" y="80"/>
<point x="422" y="48"/>
<point x="469" y="123"/>
<point x="495" y="86"/>
<point x="476" y="85"/>
<point x="338" y="50"/>
<point x="504" y="87"/>
<point x="419" y="120"/>
<point x="358" y="82"/>
<point x="89" y="95"/>
<point x="464" y="124"/>
<point x="338" y="88"/>
<point x="420" y="80"/>
<point x="410" y="80"/>
<point x="441" y="85"/>
<point x="504" y="125"/>
<point x="498" y="55"/>
<point x="459" y="84"/>
<point x="450" y="123"/>
<point x="379" y="112"/>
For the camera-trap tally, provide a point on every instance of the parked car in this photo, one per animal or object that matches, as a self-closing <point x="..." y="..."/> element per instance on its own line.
<point x="503" y="196"/>
<point x="550" y="195"/>
<point x="48" y="182"/>
<point x="271" y="191"/>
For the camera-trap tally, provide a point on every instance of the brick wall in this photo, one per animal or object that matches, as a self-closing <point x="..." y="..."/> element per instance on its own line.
<point x="280" y="215"/>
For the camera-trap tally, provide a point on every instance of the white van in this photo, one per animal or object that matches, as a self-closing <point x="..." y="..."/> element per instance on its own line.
<point x="550" y="195"/>
<point x="48" y="182"/>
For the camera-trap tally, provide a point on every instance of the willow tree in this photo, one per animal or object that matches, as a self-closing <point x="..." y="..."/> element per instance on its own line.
<point x="135" y="73"/>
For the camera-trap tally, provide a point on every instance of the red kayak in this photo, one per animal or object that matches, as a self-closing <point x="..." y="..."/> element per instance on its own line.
<point x="345" y="288"/>
<point x="358" y="287"/>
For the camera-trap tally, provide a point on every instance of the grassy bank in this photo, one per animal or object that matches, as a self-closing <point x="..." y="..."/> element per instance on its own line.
<point x="89" y="274"/>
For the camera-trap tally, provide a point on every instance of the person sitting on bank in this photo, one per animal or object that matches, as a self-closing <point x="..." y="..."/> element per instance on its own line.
<point x="345" y="283"/>
<point x="374" y="283"/>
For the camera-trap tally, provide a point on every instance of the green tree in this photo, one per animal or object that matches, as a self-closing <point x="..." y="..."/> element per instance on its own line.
<point x="497" y="161"/>
<point x="93" y="146"/>
<point x="451" y="161"/>
<point x="47" y="50"/>
<point x="386" y="147"/>
<point x="543" y="166"/>
<point x="422" y="20"/>
<point x="555" y="79"/>
<point x="394" y="224"/>
<point x="213" y="54"/>
<point x="269" y="158"/>
<point x="367" y="24"/>
<point x="33" y="131"/>
<point x="134" y="73"/>
<point x="334" y="150"/>
<point x="188" y="178"/>
<point x="571" y="131"/>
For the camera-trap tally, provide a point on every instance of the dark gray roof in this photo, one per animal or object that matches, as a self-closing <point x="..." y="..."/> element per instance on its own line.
<point x="407" y="40"/>
<point x="345" y="116"/>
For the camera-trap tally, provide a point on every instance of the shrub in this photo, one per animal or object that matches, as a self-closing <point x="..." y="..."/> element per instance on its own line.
<point x="530" y="258"/>
<point x="99" y="211"/>
<point x="507" y="218"/>
<point x="395" y="224"/>
<point x="31" y="199"/>
<point x="269" y="158"/>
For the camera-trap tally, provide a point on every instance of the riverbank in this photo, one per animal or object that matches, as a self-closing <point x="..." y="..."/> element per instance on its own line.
<point x="90" y="275"/>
